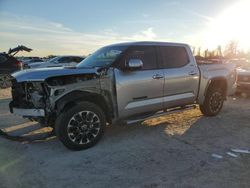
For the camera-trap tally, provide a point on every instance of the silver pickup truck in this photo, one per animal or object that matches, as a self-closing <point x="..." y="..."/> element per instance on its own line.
<point x="123" y="82"/>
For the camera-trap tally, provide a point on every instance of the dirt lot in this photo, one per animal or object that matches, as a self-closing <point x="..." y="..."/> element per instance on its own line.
<point x="171" y="151"/>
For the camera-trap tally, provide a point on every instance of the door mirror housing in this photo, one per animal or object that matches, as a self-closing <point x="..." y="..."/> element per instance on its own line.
<point x="134" y="64"/>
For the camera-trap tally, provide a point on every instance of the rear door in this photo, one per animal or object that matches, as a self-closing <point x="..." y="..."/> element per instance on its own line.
<point x="140" y="91"/>
<point x="181" y="75"/>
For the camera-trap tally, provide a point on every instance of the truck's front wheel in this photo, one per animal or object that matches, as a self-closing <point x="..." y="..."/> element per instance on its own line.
<point x="81" y="126"/>
<point x="213" y="102"/>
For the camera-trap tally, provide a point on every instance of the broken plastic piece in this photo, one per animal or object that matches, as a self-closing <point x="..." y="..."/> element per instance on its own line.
<point x="232" y="154"/>
<point x="241" y="151"/>
<point x="217" y="156"/>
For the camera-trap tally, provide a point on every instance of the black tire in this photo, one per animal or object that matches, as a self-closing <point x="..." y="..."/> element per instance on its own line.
<point x="213" y="102"/>
<point x="81" y="126"/>
<point x="5" y="81"/>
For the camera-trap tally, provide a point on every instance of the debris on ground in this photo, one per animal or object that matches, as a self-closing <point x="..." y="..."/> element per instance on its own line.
<point x="241" y="151"/>
<point x="10" y="137"/>
<point x="25" y="138"/>
<point x="232" y="154"/>
<point x="217" y="156"/>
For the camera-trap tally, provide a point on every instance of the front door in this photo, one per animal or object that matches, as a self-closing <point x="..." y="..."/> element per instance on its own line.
<point x="140" y="91"/>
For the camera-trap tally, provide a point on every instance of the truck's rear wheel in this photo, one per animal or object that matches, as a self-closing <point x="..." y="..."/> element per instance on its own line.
<point x="81" y="126"/>
<point x="213" y="102"/>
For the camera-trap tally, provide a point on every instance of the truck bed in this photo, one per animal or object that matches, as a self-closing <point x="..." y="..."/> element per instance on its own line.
<point x="210" y="71"/>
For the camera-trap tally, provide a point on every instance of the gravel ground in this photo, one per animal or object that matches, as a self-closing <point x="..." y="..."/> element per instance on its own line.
<point x="170" y="151"/>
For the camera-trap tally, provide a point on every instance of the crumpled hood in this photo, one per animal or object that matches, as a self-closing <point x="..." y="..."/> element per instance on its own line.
<point x="44" y="73"/>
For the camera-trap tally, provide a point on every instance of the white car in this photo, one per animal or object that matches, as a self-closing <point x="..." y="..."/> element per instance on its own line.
<point x="58" y="61"/>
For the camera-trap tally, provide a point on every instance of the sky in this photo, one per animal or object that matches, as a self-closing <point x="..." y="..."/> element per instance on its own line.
<point x="80" y="27"/>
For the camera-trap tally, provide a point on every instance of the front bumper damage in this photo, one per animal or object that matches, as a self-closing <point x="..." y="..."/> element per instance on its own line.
<point x="28" y="112"/>
<point x="36" y="93"/>
<point x="28" y="100"/>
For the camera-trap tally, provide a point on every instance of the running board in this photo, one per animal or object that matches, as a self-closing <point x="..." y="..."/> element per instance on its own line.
<point x="162" y="113"/>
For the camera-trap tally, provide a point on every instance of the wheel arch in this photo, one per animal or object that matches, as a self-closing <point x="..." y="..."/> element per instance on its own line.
<point x="74" y="97"/>
<point x="220" y="82"/>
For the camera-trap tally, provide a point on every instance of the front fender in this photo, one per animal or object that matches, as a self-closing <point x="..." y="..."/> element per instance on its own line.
<point x="74" y="97"/>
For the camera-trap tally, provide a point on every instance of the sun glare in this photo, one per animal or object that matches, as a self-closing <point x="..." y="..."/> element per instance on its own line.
<point x="231" y="24"/>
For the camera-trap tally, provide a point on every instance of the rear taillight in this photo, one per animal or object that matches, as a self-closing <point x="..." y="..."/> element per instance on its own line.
<point x="19" y="64"/>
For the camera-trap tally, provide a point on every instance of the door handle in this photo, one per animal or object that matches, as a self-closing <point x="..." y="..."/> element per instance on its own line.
<point x="157" y="76"/>
<point x="192" y="73"/>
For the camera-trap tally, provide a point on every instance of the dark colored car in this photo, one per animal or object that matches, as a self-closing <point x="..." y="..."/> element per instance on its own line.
<point x="9" y="64"/>
<point x="243" y="80"/>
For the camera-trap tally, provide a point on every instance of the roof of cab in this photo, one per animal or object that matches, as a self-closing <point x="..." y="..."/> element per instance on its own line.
<point x="150" y="43"/>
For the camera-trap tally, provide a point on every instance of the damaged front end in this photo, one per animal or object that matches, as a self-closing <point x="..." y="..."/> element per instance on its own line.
<point x="34" y="93"/>
<point x="30" y="100"/>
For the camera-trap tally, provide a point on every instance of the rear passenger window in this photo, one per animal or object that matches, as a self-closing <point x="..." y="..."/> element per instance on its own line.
<point x="146" y="53"/>
<point x="174" y="56"/>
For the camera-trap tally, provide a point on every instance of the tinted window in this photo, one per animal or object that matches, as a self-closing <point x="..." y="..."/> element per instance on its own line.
<point x="71" y="59"/>
<point x="77" y="59"/>
<point x="64" y="60"/>
<point x="2" y="58"/>
<point x="36" y="60"/>
<point x="145" y="53"/>
<point x="174" y="56"/>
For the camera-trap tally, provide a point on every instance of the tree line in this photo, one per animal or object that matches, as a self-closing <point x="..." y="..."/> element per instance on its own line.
<point x="231" y="51"/>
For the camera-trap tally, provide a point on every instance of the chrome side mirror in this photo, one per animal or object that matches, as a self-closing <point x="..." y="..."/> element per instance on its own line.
<point x="134" y="64"/>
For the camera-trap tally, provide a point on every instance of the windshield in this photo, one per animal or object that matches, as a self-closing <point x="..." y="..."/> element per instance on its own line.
<point x="102" y="57"/>
<point x="53" y="60"/>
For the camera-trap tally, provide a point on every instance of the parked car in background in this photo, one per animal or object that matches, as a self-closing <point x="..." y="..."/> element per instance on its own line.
<point x="27" y="62"/>
<point x="243" y="77"/>
<point x="123" y="82"/>
<point x="9" y="64"/>
<point x="58" y="61"/>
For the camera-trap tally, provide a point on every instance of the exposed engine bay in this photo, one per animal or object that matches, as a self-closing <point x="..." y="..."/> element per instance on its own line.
<point x="29" y="94"/>
<point x="40" y="96"/>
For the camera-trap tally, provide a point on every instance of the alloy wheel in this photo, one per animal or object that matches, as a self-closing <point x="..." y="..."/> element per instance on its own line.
<point x="216" y="102"/>
<point x="83" y="127"/>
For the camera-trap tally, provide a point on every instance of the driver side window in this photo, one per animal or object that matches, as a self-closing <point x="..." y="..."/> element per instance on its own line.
<point x="147" y="54"/>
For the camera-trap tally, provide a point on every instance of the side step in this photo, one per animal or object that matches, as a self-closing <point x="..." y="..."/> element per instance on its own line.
<point x="162" y="113"/>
